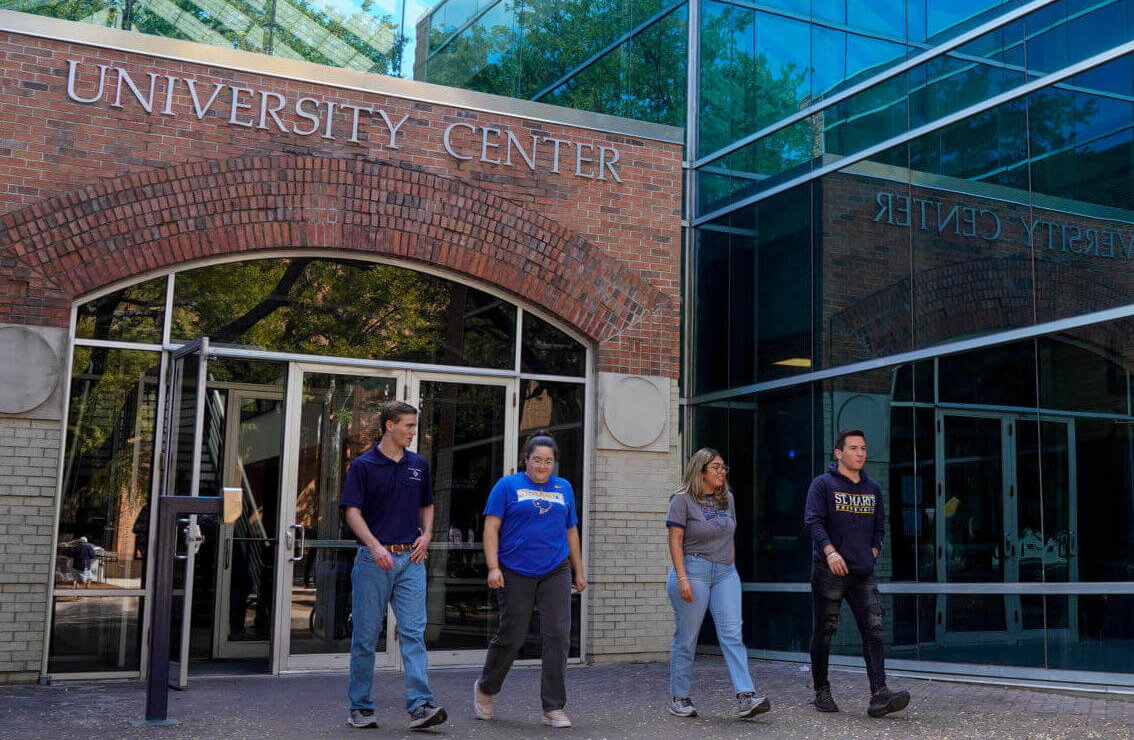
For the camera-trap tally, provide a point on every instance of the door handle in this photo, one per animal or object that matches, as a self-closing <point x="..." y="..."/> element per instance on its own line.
<point x="191" y="535"/>
<point x="296" y="538"/>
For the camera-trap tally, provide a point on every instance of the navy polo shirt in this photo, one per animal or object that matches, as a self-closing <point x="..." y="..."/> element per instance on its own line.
<point x="389" y="494"/>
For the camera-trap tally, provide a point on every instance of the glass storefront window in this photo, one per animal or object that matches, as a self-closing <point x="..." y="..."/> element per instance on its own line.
<point x="346" y="309"/>
<point x="132" y="314"/>
<point x="107" y="468"/>
<point x="752" y="312"/>
<point x="95" y="634"/>
<point x="546" y="350"/>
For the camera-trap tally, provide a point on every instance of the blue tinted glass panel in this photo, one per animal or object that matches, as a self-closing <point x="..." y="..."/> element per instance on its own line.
<point x="482" y="57"/>
<point x="728" y="73"/>
<point x="886" y="17"/>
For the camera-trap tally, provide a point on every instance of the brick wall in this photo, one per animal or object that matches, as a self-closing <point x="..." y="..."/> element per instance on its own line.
<point x="93" y="194"/>
<point x="101" y="193"/>
<point x="29" y="458"/>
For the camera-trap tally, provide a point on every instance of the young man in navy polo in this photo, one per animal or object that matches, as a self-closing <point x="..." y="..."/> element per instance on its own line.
<point x="388" y="503"/>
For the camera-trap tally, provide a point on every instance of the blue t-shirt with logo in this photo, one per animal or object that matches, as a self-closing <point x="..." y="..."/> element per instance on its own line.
<point x="389" y="494"/>
<point x="535" y="520"/>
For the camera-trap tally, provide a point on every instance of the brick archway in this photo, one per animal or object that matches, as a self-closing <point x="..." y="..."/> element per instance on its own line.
<point x="62" y="248"/>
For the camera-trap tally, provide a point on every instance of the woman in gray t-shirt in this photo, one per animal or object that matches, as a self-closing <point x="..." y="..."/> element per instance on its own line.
<point x="702" y="523"/>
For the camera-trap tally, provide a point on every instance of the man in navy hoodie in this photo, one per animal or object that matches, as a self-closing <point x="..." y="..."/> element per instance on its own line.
<point x="846" y="521"/>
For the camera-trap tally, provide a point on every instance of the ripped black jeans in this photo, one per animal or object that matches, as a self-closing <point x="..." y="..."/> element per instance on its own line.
<point x="861" y="592"/>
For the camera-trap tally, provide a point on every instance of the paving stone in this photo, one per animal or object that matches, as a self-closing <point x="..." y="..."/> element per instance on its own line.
<point x="606" y="701"/>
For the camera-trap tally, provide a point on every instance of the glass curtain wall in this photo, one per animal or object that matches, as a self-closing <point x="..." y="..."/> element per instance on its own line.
<point x="311" y="307"/>
<point x="916" y="219"/>
<point x="621" y="57"/>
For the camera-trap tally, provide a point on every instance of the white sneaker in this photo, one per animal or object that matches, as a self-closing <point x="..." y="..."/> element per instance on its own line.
<point x="556" y="718"/>
<point x="481" y="702"/>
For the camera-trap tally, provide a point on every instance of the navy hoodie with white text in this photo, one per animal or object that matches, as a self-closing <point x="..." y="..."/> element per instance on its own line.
<point x="847" y="515"/>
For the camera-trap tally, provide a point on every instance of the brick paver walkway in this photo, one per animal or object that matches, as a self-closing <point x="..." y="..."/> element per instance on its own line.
<point x="623" y="701"/>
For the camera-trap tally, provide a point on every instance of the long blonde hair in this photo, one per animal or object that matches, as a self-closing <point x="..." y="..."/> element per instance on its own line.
<point x="691" y="479"/>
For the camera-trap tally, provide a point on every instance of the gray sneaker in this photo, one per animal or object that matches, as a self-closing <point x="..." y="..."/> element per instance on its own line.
<point x="362" y="718"/>
<point x="748" y="705"/>
<point x="426" y="715"/>
<point x="682" y="706"/>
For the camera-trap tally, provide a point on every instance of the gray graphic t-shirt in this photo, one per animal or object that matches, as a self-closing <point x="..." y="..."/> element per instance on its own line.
<point x="709" y="530"/>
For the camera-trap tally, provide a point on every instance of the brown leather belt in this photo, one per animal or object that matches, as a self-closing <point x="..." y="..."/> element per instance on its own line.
<point x="400" y="547"/>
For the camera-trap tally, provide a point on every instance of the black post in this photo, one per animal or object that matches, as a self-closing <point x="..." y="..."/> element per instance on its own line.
<point x="169" y="509"/>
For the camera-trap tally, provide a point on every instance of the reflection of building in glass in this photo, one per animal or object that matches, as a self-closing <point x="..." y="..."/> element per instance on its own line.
<point x="934" y="247"/>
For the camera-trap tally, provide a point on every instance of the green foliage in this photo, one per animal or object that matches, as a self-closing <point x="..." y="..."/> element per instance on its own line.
<point x="341" y="308"/>
<point x="110" y="428"/>
<point x="519" y="48"/>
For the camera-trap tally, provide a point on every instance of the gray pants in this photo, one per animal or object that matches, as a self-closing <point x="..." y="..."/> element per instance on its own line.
<point x="550" y="592"/>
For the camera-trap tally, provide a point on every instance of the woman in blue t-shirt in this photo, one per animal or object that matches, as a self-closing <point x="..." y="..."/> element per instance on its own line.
<point x="530" y="533"/>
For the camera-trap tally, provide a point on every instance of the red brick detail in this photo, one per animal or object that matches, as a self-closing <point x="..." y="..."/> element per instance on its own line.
<point x="123" y="228"/>
<point x="91" y="194"/>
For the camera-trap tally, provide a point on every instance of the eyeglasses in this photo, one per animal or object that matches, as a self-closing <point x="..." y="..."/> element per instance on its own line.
<point x="717" y="468"/>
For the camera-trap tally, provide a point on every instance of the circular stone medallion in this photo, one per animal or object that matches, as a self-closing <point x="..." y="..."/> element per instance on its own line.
<point x="635" y="412"/>
<point x="29" y="367"/>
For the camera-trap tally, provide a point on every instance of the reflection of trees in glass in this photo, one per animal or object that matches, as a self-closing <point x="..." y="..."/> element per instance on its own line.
<point x="518" y="48"/>
<point x="110" y="432"/>
<point x="346" y="309"/>
<point x="133" y="314"/>
<point x="376" y="37"/>
<point x="740" y="88"/>
<point x="97" y="12"/>
<point x="314" y="31"/>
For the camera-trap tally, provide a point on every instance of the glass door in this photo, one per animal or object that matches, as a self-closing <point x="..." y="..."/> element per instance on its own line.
<point x="1007" y="506"/>
<point x="1048" y="540"/>
<point x="245" y="586"/>
<point x="182" y="433"/>
<point x="974" y="525"/>
<point x="332" y="417"/>
<point x="465" y="435"/>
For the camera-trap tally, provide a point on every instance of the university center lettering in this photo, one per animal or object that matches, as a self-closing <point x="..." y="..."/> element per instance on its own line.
<point x="974" y="222"/>
<point x="269" y="110"/>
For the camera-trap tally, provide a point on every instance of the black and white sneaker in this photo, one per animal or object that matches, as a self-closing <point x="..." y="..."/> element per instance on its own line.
<point x="362" y="718"/>
<point x="682" y="706"/>
<point x="824" y="702"/>
<point x="426" y="715"/>
<point x="886" y="701"/>
<point x="748" y="705"/>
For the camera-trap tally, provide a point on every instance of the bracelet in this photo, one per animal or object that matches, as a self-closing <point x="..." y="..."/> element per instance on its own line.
<point x="832" y="552"/>
<point x="683" y="578"/>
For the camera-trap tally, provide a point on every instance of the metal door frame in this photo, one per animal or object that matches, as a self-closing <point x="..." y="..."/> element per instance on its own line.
<point x="179" y="668"/>
<point x="511" y="386"/>
<point x="1010" y="519"/>
<point x="222" y="647"/>
<point x="281" y="658"/>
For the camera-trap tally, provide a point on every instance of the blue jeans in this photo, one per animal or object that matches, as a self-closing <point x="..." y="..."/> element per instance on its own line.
<point x="403" y="588"/>
<point x="716" y="587"/>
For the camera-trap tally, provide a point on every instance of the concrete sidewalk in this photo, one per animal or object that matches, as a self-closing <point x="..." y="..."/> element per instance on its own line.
<point x="623" y="701"/>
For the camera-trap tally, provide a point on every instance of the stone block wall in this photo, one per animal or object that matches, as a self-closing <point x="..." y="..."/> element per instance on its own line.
<point x="29" y="458"/>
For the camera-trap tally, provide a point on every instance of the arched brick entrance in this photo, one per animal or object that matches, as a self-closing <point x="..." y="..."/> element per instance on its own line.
<point x="60" y="249"/>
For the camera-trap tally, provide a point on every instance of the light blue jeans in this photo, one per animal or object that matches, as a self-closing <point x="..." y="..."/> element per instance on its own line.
<point x="716" y="587"/>
<point x="403" y="588"/>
